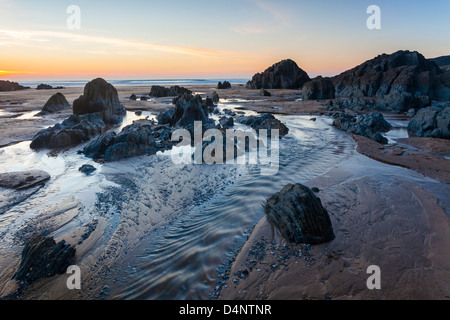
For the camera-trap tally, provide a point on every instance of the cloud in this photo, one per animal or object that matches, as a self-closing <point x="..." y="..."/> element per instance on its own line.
<point x="279" y="13"/>
<point x="32" y="38"/>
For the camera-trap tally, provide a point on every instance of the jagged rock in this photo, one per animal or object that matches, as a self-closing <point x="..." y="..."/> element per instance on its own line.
<point x="42" y="257"/>
<point x="265" y="93"/>
<point x="87" y="169"/>
<point x="43" y="86"/>
<point x="432" y="122"/>
<point x="226" y="122"/>
<point x="133" y="97"/>
<point x="224" y="85"/>
<point x="264" y="121"/>
<point x="318" y="89"/>
<point x="94" y="113"/>
<point x="396" y="82"/>
<point x="100" y="97"/>
<point x="6" y="85"/>
<point x="367" y="125"/>
<point x="283" y="75"/>
<point x="56" y="103"/>
<point x="215" y="97"/>
<point x="160" y="91"/>
<point x="165" y="117"/>
<point x="299" y="215"/>
<point x="23" y="179"/>
<point x="189" y="109"/>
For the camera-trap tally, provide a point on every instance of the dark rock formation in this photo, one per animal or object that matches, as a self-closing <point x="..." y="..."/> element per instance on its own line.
<point x="367" y="125"/>
<point x="133" y="97"/>
<point x="94" y="112"/>
<point x="56" y="103"/>
<point x="443" y="62"/>
<point x="140" y="138"/>
<point x="6" y="85"/>
<point x="160" y="91"/>
<point x="87" y="169"/>
<point x="265" y="93"/>
<point x="226" y="122"/>
<point x="264" y="121"/>
<point x="23" y="179"/>
<point x="215" y="97"/>
<point x="189" y="109"/>
<point x="100" y="97"/>
<point x="283" y="75"/>
<point x="42" y="257"/>
<point x="299" y="215"/>
<point x="396" y="82"/>
<point x="224" y="85"/>
<point x="318" y="89"/>
<point x="43" y="86"/>
<point x="165" y="117"/>
<point x="72" y="131"/>
<point x="432" y="122"/>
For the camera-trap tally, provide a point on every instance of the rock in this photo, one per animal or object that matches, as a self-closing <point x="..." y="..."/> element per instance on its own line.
<point x="229" y="112"/>
<point x="6" y="85"/>
<point x="264" y="93"/>
<point x="226" y="122"/>
<point x="367" y="125"/>
<point x="160" y="91"/>
<point x="56" y="103"/>
<point x="102" y="98"/>
<point x="43" y="86"/>
<point x="411" y="112"/>
<point x="133" y="97"/>
<point x="318" y="89"/>
<point x="396" y="82"/>
<point x="139" y="138"/>
<point x="299" y="215"/>
<point x="432" y="122"/>
<point x="94" y="113"/>
<point x="42" y="257"/>
<point x="87" y="169"/>
<point x="144" y="98"/>
<point x="215" y="97"/>
<point x="283" y="75"/>
<point x="315" y="189"/>
<point x="165" y="117"/>
<point x="138" y="113"/>
<point x="224" y="85"/>
<point x="23" y="179"/>
<point x="189" y="109"/>
<point x="264" y="121"/>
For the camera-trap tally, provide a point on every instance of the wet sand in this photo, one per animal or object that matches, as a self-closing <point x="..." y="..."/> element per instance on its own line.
<point x="382" y="212"/>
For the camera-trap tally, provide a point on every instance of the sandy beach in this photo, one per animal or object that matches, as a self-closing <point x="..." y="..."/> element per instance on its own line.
<point x="389" y="206"/>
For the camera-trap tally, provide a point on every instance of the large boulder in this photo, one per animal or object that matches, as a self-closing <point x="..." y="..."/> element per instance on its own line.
<point x="223" y="85"/>
<point x="264" y="121"/>
<point x="6" y="85"/>
<point x="299" y="215"/>
<point x="100" y="97"/>
<point x="283" y="75"/>
<point x="367" y="125"/>
<point x="189" y="109"/>
<point x="56" y="103"/>
<point x="160" y="91"/>
<point x="42" y="257"/>
<point x="318" y="89"/>
<point x="432" y="122"/>
<point x="396" y="82"/>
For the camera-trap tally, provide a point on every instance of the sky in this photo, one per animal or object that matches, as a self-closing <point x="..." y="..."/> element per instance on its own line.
<point x="155" y="39"/>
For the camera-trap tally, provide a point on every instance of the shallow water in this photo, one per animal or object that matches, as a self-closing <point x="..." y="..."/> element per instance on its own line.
<point x="178" y="223"/>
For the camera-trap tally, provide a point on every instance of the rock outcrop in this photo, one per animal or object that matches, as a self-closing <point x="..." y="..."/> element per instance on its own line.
<point x="42" y="257"/>
<point x="94" y="112"/>
<point x="299" y="215"/>
<point x="318" y="89"/>
<point x="6" y="85"/>
<point x="100" y="97"/>
<point x="215" y="97"/>
<point x="56" y="103"/>
<point x="87" y="169"/>
<point x="264" y="93"/>
<point x="283" y="75"/>
<point x="223" y="85"/>
<point x="161" y="92"/>
<point x="264" y="121"/>
<point x="44" y="86"/>
<point x="432" y="122"/>
<point x="396" y="82"/>
<point x="367" y="125"/>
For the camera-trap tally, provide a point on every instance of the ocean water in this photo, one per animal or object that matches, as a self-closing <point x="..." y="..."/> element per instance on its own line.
<point x="149" y="82"/>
